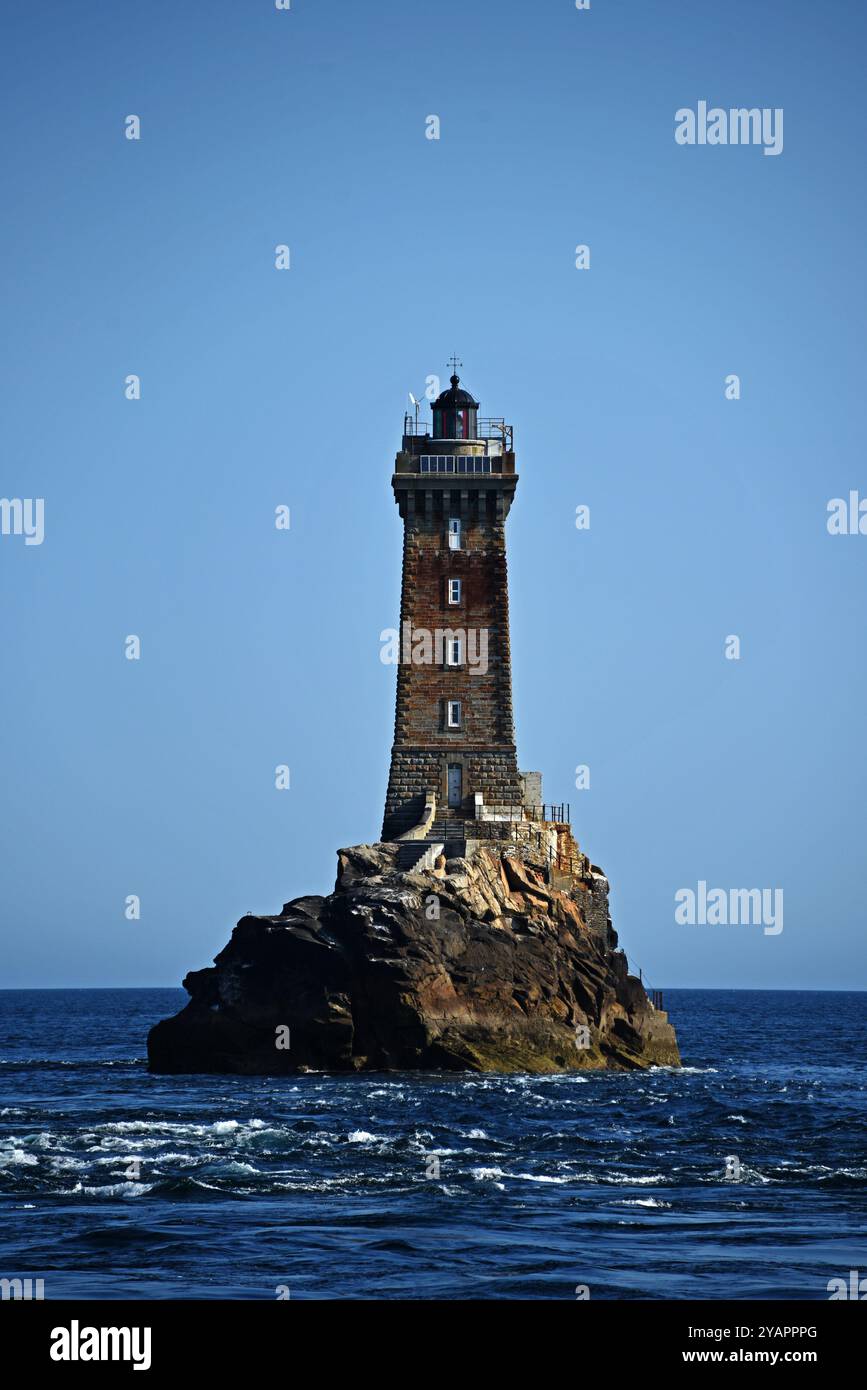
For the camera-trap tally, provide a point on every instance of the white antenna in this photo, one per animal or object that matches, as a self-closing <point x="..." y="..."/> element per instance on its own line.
<point x="415" y="403"/>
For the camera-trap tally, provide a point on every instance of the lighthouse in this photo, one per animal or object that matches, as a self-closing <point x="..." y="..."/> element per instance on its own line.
<point x="454" y="771"/>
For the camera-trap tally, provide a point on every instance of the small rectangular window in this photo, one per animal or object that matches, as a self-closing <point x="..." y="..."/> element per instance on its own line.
<point x="454" y="533"/>
<point x="453" y="714"/>
<point x="425" y="463"/>
<point x="454" y="591"/>
<point x="450" y="463"/>
<point x="454" y="651"/>
<point x="462" y="464"/>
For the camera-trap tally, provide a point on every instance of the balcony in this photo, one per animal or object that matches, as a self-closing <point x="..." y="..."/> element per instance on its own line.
<point x="492" y="428"/>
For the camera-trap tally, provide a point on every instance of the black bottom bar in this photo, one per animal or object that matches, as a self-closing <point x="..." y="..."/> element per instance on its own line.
<point x="253" y="1338"/>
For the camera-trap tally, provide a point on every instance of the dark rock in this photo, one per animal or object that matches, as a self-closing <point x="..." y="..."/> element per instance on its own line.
<point x="479" y="964"/>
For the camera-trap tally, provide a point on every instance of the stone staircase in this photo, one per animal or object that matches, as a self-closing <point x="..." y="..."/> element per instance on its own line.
<point x="447" y="836"/>
<point x="451" y="833"/>
<point x="412" y="852"/>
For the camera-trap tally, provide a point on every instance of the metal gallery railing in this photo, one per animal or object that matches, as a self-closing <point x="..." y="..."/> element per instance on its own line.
<point x="490" y="427"/>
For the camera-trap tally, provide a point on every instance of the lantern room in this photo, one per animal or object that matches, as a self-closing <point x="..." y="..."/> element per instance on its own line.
<point x="455" y="413"/>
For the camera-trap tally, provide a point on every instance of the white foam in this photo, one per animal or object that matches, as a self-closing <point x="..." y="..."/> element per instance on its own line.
<point x="117" y="1189"/>
<point x="628" y="1180"/>
<point x="540" y="1177"/>
<point x="13" y="1157"/>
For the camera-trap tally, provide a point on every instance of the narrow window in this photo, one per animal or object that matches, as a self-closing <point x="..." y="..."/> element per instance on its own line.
<point x="453" y="651"/>
<point x="453" y="714"/>
<point x="454" y="533"/>
<point x="454" y="591"/>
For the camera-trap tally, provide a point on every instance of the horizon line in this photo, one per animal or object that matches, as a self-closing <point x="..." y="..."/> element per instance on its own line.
<point x="704" y="989"/>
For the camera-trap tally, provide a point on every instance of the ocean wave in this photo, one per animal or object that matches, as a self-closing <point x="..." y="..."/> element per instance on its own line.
<point x="683" y="1071"/>
<point x="630" y="1179"/>
<point x="68" y="1063"/>
<point x="164" y="1125"/>
<point x="117" y="1189"/>
<point x="540" y="1177"/>
<point x="9" y="1158"/>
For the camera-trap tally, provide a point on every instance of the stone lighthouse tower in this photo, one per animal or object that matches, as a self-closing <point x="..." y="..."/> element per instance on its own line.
<point x="454" y="771"/>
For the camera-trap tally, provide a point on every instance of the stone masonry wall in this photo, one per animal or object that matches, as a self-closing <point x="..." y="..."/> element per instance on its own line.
<point x="423" y="745"/>
<point x="414" y="771"/>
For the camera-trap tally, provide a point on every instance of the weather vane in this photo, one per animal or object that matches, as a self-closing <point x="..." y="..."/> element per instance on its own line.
<point x="454" y="363"/>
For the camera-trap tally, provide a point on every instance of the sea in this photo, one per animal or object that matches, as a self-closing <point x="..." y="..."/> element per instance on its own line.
<point x="743" y="1175"/>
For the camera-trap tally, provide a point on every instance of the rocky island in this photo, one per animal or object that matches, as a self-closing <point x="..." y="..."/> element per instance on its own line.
<point x="474" y="964"/>
<point x="474" y="935"/>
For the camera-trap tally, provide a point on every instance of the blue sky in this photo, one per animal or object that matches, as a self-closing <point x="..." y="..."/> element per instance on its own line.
<point x="259" y="387"/>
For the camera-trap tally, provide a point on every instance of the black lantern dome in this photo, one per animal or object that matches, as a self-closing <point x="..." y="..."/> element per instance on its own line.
<point x="455" y="413"/>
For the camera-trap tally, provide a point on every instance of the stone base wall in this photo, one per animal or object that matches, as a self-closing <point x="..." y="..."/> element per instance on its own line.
<point x="416" y="771"/>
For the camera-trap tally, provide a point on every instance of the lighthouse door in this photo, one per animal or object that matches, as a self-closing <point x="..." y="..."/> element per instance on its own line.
<point x="455" y="784"/>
